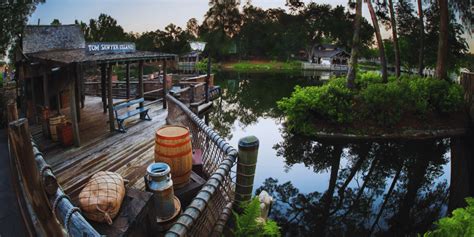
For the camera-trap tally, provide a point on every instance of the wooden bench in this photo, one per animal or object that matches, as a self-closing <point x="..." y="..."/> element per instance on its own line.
<point x="130" y="113"/>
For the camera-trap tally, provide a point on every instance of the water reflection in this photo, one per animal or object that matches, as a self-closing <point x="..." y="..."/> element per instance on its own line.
<point x="381" y="188"/>
<point x="247" y="97"/>
<point x="336" y="187"/>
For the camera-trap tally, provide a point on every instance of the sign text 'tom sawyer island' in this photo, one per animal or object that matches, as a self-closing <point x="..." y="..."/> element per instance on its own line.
<point x="110" y="48"/>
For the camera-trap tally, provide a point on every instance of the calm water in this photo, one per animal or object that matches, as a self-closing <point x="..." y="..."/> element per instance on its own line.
<point x="332" y="187"/>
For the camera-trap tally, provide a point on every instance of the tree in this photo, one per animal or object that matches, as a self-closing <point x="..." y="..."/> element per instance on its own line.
<point x="441" y="69"/>
<point x="55" y="22"/>
<point x="192" y="28"/>
<point x="14" y="18"/>
<point x="378" y="36"/>
<point x="223" y="15"/>
<point x="395" y="38"/>
<point x="105" y="29"/>
<point x="351" y="74"/>
<point x="463" y="8"/>
<point x="421" y="24"/>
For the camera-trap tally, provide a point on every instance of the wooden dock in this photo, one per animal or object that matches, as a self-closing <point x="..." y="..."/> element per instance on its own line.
<point x="125" y="153"/>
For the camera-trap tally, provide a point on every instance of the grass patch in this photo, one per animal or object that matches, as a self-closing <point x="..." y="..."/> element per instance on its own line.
<point x="264" y="66"/>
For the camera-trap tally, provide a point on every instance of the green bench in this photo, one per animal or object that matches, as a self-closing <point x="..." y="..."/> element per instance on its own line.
<point x="130" y="113"/>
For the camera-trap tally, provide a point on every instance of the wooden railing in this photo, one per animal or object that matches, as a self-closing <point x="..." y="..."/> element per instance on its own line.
<point x="209" y="211"/>
<point x="43" y="204"/>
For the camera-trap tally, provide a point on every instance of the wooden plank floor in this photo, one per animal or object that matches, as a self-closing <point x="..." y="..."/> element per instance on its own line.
<point x="126" y="153"/>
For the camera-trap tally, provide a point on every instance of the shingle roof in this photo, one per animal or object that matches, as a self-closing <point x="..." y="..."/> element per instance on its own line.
<point x="65" y="44"/>
<point x="329" y="53"/>
<point x="80" y="56"/>
<point x="44" y="38"/>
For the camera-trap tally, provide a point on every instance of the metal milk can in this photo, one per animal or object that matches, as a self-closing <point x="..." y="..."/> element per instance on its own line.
<point x="158" y="181"/>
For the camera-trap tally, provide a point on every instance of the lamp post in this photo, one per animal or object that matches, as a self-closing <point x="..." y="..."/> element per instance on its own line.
<point x="200" y="46"/>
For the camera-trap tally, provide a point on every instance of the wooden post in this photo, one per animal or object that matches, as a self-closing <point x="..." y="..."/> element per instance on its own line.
<point x="72" y="107"/>
<point x="82" y="85"/>
<point x="208" y="78"/>
<point x="46" y="98"/>
<point x="12" y="112"/>
<point x="127" y="79"/>
<point x="77" y="80"/>
<point x="33" y="188"/>
<point x="110" y="99"/>
<point x="246" y="164"/>
<point x="33" y="99"/>
<point x="103" y="75"/>
<point x="164" y="84"/>
<point x="140" y="84"/>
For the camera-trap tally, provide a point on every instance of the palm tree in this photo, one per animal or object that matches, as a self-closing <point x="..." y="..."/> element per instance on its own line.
<point x="393" y="22"/>
<point x="422" y="39"/>
<point x="378" y="36"/>
<point x="351" y="73"/>
<point x="463" y="7"/>
<point x="441" y="69"/>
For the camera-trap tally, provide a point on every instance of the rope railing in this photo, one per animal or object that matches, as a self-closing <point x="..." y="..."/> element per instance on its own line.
<point x="210" y="209"/>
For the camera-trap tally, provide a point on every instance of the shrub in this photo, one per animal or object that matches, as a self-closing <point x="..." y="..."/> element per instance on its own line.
<point x="461" y="223"/>
<point x="366" y="78"/>
<point x="382" y="103"/>
<point x="331" y="102"/>
<point x="248" y="225"/>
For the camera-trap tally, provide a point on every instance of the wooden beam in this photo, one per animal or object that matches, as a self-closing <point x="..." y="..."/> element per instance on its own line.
<point x="45" y="88"/>
<point x="33" y="99"/>
<point x="110" y="99"/>
<point x="140" y="84"/>
<point x="103" y="75"/>
<point x="21" y="151"/>
<point x="127" y="79"/>
<point x="78" y="91"/>
<point x="164" y="84"/>
<point x="46" y="105"/>
<point x="72" y="107"/>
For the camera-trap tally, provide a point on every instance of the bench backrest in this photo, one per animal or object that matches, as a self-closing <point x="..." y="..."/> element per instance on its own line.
<point x="129" y="103"/>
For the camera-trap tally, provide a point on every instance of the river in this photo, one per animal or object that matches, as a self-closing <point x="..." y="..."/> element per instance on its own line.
<point x="332" y="187"/>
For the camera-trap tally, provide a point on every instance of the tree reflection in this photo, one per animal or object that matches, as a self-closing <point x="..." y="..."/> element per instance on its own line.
<point x="378" y="188"/>
<point x="248" y="97"/>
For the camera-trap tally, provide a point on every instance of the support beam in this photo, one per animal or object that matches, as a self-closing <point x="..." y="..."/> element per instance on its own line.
<point x="127" y="79"/>
<point x="33" y="99"/>
<point x="208" y="78"/>
<point x="164" y="84"/>
<point x="140" y="84"/>
<point x="77" y="80"/>
<point x="82" y="85"/>
<point x="45" y="112"/>
<point x="103" y="75"/>
<point x="110" y="99"/>
<point x="72" y="107"/>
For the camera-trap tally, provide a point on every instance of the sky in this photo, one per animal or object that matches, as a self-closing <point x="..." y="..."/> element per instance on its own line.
<point x="149" y="15"/>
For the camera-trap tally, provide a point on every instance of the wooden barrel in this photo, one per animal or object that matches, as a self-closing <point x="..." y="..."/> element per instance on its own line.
<point x="173" y="147"/>
<point x="53" y="123"/>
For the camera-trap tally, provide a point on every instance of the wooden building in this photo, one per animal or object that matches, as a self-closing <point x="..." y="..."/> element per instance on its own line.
<point x="51" y="73"/>
<point x="326" y="57"/>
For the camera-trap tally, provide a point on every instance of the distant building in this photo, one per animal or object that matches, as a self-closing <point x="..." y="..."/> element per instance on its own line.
<point x="326" y="57"/>
<point x="187" y="62"/>
<point x="326" y="54"/>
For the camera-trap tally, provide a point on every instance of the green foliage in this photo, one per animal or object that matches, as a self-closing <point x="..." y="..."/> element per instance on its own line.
<point x="247" y="224"/>
<point x="202" y="66"/>
<point x="461" y="223"/>
<point x="384" y="104"/>
<point x="331" y="102"/>
<point x="370" y="77"/>
<point x="264" y="66"/>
